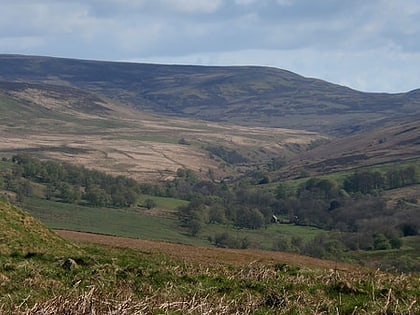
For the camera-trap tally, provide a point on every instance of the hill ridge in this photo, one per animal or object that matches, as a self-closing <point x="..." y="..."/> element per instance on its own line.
<point x="247" y="95"/>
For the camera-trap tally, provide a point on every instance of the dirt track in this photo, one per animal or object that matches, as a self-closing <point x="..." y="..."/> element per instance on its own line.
<point x="205" y="255"/>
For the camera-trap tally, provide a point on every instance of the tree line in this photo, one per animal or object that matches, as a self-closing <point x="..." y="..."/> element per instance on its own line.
<point x="353" y="212"/>
<point x="69" y="183"/>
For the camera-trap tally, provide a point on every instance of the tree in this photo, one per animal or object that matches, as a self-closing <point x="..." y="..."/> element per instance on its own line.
<point x="217" y="214"/>
<point x="49" y="191"/>
<point x="69" y="193"/>
<point x="280" y="191"/>
<point x="320" y="188"/>
<point x="395" y="242"/>
<point x="364" y="182"/>
<point x="250" y="218"/>
<point x="222" y="240"/>
<point x="225" y="240"/>
<point x="192" y="216"/>
<point x="380" y="242"/>
<point x="96" y="196"/>
<point x="194" y="226"/>
<point x="324" y="246"/>
<point x="149" y="203"/>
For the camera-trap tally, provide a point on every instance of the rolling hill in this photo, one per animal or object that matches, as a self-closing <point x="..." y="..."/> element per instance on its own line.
<point x="253" y="96"/>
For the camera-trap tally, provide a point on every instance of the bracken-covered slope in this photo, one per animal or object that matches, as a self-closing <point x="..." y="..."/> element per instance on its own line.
<point x="395" y="141"/>
<point x="255" y="96"/>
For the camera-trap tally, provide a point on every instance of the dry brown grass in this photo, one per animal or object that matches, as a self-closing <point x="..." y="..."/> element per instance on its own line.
<point x="304" y="292"/>
<point x="129" y="142"/>
<point x="93" y="302"/>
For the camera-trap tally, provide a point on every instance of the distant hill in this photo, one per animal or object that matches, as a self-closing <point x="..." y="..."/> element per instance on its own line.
<point x="21" y="234"/>
<point x="253" y="96"/>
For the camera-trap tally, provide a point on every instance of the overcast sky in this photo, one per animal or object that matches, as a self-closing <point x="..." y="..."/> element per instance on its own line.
<point x="369" y="45"/>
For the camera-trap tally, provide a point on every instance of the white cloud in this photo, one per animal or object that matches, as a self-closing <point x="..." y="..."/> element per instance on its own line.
<point x="193" y="6"/>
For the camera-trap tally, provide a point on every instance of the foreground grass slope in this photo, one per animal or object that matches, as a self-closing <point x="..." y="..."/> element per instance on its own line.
<point x="22" y="235"/>
<point x="109" y="280"/>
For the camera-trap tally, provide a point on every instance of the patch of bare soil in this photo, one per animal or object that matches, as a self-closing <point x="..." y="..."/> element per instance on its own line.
<point x="206" y="255"/>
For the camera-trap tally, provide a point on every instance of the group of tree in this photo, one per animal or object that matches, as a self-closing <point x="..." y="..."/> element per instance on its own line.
<point x="368" y="182"/>
<point x="230" y="156"/>
<point x="354" y="208"/>
<point x="69" y="183"/>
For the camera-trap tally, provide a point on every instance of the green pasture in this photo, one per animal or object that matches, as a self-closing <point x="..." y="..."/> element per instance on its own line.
<point x="261" y="238"/>
<point x="133" y="222"/>
<point x="119" y="222"/>
<point x="163" y="202"/>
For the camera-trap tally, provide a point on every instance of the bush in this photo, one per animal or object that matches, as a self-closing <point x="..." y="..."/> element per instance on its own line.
<point x="396" y="243"/>
<point x="149" y="203"/>
<point x="380" y="242"/>
<point x="282" y="244"/>
<point x="225" y="240"/>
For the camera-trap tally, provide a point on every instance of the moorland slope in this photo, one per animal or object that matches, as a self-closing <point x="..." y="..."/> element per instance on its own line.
<point x="71" y="124"/>
<point x="254" y="96"/>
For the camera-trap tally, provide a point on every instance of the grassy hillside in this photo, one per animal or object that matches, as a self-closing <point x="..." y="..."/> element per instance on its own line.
<point x="21" y="234"/>
<point x="171" y="279"/>
<point x="71" y="124"/>
<point x="255" y="96"/>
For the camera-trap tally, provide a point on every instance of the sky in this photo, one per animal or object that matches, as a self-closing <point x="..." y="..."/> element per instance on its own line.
<point x="368" y="45"/>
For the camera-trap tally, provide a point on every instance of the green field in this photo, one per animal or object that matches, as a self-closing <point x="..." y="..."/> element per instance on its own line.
<point x="119" y="222"/>
<point x="133" y="222"/>
<point x="163" y="202"/>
